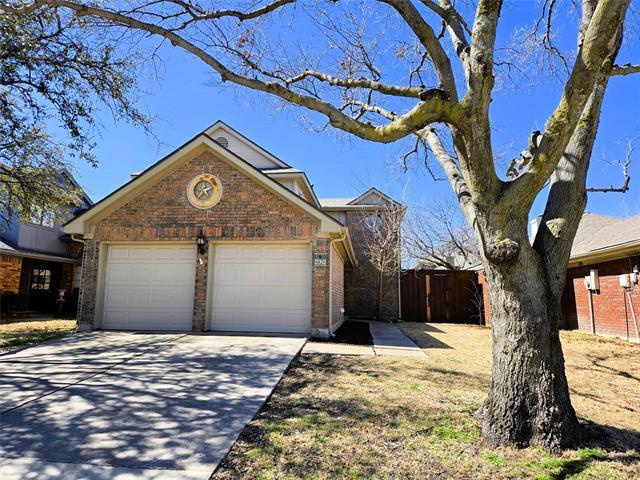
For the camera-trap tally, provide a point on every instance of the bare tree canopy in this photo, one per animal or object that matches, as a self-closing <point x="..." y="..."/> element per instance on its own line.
<point x="391" y="69"/>
<point x="436" y="235"/>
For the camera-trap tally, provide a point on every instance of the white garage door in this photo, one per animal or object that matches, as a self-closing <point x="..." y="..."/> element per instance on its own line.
<point x="149" y="287"/>
<point x="261" y="288"/>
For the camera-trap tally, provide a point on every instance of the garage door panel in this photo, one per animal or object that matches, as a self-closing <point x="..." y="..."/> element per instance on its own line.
<point x="298" y="254"/>
<point x="275" y="275"/>
<point x="141" y="254"/>
<point x="114" y="319"/>
<point x="115" y="296"/>
<point x="225" y="273"/>
<point x="172" y="274"/>
<point x="261" y="288"/>
<point x="280" y="298"/>
<point x="171" y="298"/>
<point x="118" y="253"/>
<point x="248" y="274"/>
<point x="277" y="253"/>
<point x="149" y="287"/>
<point x="117" y="273"/>
<point x="137" y="298"/>
<point x="297" y="277"/>
<point x="224" y="297"/>
<point x="140" y="274"/>
<point x="226" y="253"/>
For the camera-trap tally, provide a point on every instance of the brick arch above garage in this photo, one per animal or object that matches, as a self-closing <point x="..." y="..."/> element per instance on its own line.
<point x="246" y="211"/>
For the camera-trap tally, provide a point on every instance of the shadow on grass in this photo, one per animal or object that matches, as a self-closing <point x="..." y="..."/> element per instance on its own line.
<point x="600" y="443"/>
<point x="17" y="340"/>
<point x="421" y="338"/>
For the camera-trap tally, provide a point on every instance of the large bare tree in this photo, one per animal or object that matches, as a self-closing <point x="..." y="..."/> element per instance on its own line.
<point x="336" y="59"/>
<point x="436" y="235"/>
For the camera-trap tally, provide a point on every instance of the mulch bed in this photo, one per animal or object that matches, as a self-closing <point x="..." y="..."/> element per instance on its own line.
<point x="351" y="332"/>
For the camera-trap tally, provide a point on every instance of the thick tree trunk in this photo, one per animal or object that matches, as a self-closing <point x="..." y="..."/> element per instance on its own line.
<point x="528" y="401"/>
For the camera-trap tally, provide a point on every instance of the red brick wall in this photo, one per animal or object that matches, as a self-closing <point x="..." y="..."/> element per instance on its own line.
<point x="337" y="287"/>
<point x="246" y="211"/>
<point x="361" y="283"/>
<point x="10" y="268"/>
<point x="608" y="302"/>
<point x="320" y="288"/>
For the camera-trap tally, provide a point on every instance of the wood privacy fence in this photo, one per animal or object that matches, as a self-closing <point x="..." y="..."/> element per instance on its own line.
<point x="451" y="296"/>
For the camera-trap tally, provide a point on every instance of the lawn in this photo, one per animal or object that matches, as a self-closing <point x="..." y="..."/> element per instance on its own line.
<point x="393" y="418"/>
<point x="21" y="334"/>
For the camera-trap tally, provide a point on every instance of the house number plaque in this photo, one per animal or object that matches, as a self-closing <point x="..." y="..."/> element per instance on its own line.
<point x="319" y="259"/>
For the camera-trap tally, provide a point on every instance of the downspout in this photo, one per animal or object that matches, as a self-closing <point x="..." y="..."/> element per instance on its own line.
<point x="591" y="316"/>
<point x="335" y="240"/>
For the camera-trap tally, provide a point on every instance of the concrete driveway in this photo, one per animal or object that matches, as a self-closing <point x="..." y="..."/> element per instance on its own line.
<point x="113" y="405"/>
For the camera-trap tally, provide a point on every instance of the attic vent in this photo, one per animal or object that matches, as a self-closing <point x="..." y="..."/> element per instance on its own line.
<point x="222" y="141"/>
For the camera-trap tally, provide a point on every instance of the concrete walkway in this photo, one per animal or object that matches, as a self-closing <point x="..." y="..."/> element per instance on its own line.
<point x="388" y="339"/>
<point x="126" y="406"/>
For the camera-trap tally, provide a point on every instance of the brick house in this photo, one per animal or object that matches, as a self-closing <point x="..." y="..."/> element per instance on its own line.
<point x="361" y="284"/>
<point x="220" y="235"/>
<point x="605" y="248"/>
<point x="39" y="263"/>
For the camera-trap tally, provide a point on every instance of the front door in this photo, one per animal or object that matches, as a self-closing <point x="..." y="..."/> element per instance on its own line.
<point x="40" y="281"/>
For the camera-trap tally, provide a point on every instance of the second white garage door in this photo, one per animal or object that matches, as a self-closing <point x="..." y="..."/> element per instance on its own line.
<point x="149" y="287"/>
<point x="261" y="288"/>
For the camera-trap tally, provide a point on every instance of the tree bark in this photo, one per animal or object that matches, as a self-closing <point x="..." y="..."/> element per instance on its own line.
<point x="528" y="401"/>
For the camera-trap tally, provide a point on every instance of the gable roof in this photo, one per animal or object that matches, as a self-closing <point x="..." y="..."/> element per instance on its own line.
<point x="359" y="202"/>
<point x="158" y="170"/>
<point x="372" y="192"/>
<point x="219" y="124"/>
<point x="297" y="174"/>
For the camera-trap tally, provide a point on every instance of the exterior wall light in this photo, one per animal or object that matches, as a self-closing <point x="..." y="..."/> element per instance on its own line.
<point x="201" y="241"/>
<point x="634" y="275"/>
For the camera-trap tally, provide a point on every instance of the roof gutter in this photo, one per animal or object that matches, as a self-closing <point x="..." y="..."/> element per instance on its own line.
<point x="38" y="256"/>
<point x="604" y="254"/>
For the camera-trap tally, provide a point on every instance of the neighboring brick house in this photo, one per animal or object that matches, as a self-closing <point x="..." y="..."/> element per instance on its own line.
<point x="605" y="247"/>
<point x="39" y="263"/>
<point x="220" y="235"/>
<point x="361" y="283"/>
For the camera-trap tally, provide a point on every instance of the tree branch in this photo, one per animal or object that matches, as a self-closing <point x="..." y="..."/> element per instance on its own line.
<point x="433" y="108"/>
<point x="567" y="193"/>
<point x="429" y="40"/>
<point x="348" y="83"/>
<point x="456" y="25"/>
<point x="626" y="69"/>
<point x="595" y="58"/>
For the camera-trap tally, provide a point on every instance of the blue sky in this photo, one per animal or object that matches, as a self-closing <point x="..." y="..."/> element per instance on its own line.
<point x="184" y="102"/>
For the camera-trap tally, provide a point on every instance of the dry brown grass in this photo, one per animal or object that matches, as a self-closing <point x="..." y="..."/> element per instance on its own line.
<point x="21" y="334"/>
<point x="395" y="418"/>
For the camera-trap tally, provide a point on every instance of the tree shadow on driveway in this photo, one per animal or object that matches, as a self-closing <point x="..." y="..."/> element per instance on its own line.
<point x="176" y="404"/>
